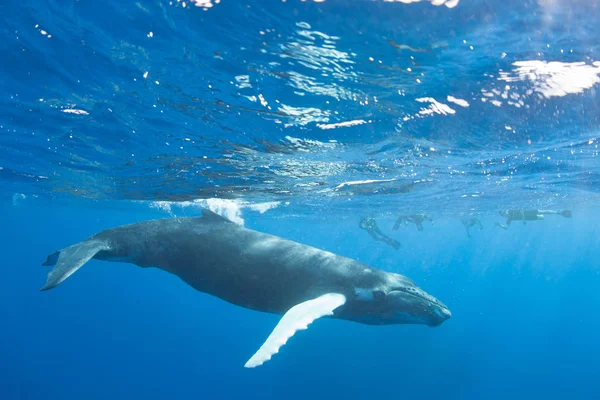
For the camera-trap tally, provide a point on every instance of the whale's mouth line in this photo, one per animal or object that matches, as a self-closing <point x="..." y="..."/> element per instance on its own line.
<point x="419" y="296"/>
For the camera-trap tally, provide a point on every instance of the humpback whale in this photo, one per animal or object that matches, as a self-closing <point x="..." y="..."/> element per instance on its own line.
<point x="257" y="271"/>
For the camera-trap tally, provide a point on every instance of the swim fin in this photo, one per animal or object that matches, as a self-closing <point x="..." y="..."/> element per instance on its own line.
<point x="566" y="213"/>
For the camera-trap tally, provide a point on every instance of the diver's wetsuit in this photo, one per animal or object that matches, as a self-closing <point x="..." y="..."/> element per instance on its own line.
<point x="369" y="224"/>
<point x="417" y="219"/>
<point x="529" y="215"/>
<point x="471" y="222"/>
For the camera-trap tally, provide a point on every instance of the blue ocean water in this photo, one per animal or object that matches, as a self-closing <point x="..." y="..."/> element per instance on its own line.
<point x="299" y="118"/>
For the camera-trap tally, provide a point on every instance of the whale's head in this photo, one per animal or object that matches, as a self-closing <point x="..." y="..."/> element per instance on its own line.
<point x="398" y="301"/>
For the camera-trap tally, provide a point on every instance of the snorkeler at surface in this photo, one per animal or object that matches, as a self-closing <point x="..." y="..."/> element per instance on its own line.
<point x="528" y="215"/>
<point x="369" y="224"/>
<point x="470" y="222"/>
<point x="417" y="219"/>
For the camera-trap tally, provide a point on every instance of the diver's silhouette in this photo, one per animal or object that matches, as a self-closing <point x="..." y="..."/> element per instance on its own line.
<point x="529" y="215"/>
<point x="369" y="224"/>
<point x="417" y="219"/>
<point x="470" y="222"/>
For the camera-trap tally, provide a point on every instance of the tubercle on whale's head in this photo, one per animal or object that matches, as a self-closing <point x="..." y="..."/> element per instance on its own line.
<point x="399" y="301"/>
<point x="405" y="302"/>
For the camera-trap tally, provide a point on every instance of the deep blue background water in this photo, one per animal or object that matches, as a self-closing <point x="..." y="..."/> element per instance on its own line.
<point x="240" y="103"/>
<point x="524" y="322"/>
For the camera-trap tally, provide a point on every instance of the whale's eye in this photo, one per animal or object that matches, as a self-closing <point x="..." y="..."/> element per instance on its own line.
<point x="378" y="295"/>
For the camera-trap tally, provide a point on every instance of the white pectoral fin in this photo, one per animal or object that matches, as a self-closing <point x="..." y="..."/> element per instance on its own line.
<point x="297" y="318"/>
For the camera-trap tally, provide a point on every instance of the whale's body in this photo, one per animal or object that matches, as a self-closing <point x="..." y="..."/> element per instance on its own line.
<point x="257" y="271"/>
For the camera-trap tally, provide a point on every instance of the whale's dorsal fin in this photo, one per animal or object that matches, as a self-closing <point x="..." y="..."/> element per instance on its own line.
<point x="297" y="318"/>
<point x="208" y="215"/>
<point x="70" y="259"/>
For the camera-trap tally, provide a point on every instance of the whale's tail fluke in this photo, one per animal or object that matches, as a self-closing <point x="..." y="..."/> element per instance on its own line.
<point x="51" y="260"/>
<point x="70" y="259"/>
